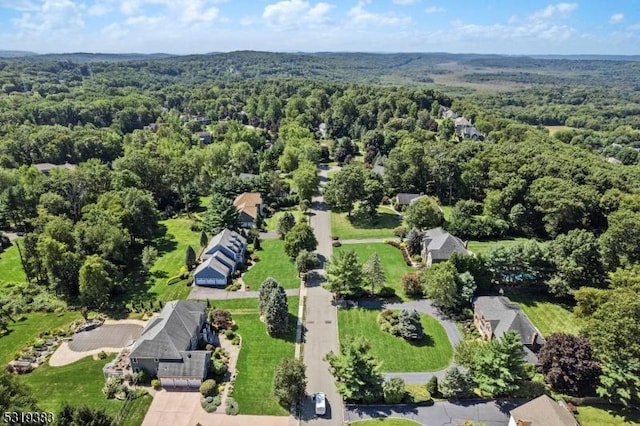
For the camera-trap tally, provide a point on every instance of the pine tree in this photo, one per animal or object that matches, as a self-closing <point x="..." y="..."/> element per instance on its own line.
<point x="409" y="325"/>
<point x="276" y="313"/>
<point x="373" y="272"/>
<point x="204" y="240"/>
<point x="264" y="293"/>
<point x="344" y="274"/>
<point x="221" y="214"/>
<point x="456" y="383"/>
<point x="190" y="258"/>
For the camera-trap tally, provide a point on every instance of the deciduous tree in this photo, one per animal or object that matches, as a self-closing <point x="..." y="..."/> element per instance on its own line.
<point x="424" y="213"/>
<point x="300" y="237"/>
<point x="289" y="381"/>
<point x="344" y="274"/>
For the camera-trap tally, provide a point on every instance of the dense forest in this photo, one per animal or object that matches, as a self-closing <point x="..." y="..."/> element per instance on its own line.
<point x="135" y="134"/>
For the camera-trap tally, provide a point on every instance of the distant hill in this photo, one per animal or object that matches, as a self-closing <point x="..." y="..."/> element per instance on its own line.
<point x="15" y="53"/>
<point x="101" y="57"/>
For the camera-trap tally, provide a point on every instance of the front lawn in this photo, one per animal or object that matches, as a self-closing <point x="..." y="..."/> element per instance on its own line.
<point x="548" y="315"/>
<point x="397" y="355"/>
<point x="273" y="263"/>
<point x="605" y="416"/>
<point x="351" y="228"/>
<point x="272" y="222"/>
<point x="22" y="333"/>
<point x="392" y="262"/>
<point x="483" y="247"/>
<point x="79" y="383"/>
<point x="259" y="356"/>
<point x="171" y="252"/>
<point x="10" y="265"/>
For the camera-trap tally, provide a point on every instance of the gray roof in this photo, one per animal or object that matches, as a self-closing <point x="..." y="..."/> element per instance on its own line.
<point x="544" y="411"/>
<point x="471" y="132"/>
<point x="193" y="364"/>
<point x="404" y="198"/>
<point x="244" y="176"/>
<point x="165" y="336"/>
<point x="441" y="244"/>
<point x="504" y="316"/>
<point x="378" y="169"/>
<point x="47" y="167"/>
<point x="226" y="238"/>
<point x="461" y="121"/>
<point x="214" y="263"/>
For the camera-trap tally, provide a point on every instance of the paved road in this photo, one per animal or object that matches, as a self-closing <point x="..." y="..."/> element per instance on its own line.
<point x="442" y="413"/>
<point x="321" y="323"/>
<point x="202" y="293"/>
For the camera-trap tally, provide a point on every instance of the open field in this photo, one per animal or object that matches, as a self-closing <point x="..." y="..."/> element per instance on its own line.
<point x="171" y="250"/>
<point x="349" y="228"/>
<point x="10" y="266"/>
<point x="548" y="315"/>
<point x="273" y="263"/>
<point x="79" y="383"/>
<point x="606" y="416"/>
<point x="22" y="333"/>
<point x="397" y="355"/>
<point x="483" y="247"/>
<point x="259" y="356"/>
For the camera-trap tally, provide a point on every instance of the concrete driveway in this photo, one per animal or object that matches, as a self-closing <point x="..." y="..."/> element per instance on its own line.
<point x="183" y="409"/>
<point x="107" y="335"/>
<point x="442" y="413"/>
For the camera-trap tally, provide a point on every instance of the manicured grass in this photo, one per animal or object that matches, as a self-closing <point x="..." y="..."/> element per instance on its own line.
<point x="259" y="356"/>
<point x="136" y="412"/>
<point x="22" y="333"/>
<point x="389" y="421"/>
<point x="171" y="249"/>
<point x="605" y="416"/>
<point x="548" y="315"/>
<point x="348" y="228"/>
<point x="272" y="222"/>
<point x="397" y="355"/>
<point x="10" y="266"/>
<point x="446" y="210"/>
<point x="273" y="263"/>
<point x="392" y="262"/>
<point x="483" y="247"/>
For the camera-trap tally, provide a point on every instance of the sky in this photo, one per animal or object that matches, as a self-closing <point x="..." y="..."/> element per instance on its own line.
<point x="201" y="26"/>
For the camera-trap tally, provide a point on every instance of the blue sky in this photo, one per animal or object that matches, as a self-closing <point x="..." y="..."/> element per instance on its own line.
<point x="200" y="26"/>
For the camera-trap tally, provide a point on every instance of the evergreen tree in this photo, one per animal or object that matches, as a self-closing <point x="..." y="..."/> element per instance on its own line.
<point x="409" y="325"/>
<point x="456" y="383"/>
<point x="498" y="367"/>
<point x="264" y="293"/>
<point x="221" y="214"/>
<point x="276" y="312"/>
<point x="373" y="272"/>
<point x="204" y="240"/>
<point x="344" y="274"/>
<point x="190" y="258"/>
<point x="285" y="223"/>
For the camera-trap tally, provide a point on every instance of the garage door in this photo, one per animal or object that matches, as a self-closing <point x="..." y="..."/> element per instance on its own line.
<point x="210" y="281"/>
<point x="166" y="383"/>
<point x="193" y="383"/>
<point x="181" y="383"/>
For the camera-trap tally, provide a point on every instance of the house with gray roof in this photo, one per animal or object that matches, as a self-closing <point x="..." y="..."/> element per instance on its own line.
<point x="542" y="411"/>
<point x="47" y="167"/>
<point x="438" y="246"/>
<point x="495" y="315"/>
<point x="220" y="259"/>
<point x="403" y="199"/>
<point x="167" y="347"/>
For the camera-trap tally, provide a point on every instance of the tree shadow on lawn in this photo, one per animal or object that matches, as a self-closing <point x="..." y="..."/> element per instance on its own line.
<point x="426" y="341"/>
<point x="165" y="244"/>
<point x="379" y="221"/>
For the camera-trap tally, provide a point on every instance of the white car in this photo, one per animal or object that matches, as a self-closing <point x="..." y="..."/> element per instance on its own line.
<point x="321" y="403"/>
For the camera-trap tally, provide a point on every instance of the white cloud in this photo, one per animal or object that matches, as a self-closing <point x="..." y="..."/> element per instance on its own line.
<point x="554" y="11"/>
<point x="360" y="16"/>
<point x="405" y="2"/>
<point x="20" y="5"/>
<point x="52" y="16"/>
<point x="296" y="13"/>
<point x="198" y="11"/>
<point x="616" y="18"/>
<point x="434" y="9"/>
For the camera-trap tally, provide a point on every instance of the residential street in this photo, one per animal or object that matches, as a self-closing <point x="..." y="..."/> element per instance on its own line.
<point x="442" y="413"/>
<point x="321" y="322"/>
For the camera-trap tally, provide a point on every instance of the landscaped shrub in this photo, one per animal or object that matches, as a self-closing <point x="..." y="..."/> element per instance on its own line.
<point x="456" y="383"/>
<point x="114" y="386"/>
<point x="416" y="258"/>
<point x="411" y="283"/>
<point x="229" y="334"/>
<point x="208" y="388"/>
<point x="336" y="243"/>
<point x="393" y="390"/>
<point x="400" y="232"/>
<point x="155" y="383"/>
<point x="236" y="340"/>
<point x="102" y="355"/>
<point x="218" y="367"/>
<point x="232" y="408"/>
<point x="386" y="292"/>
<point x="409" y="325"/>
<point x="417" y="394"/>
<point x="388" y="321"/>
<point x="220" y="319"/>
<point x="211" y="403"/>
<point x="432" y="386"/>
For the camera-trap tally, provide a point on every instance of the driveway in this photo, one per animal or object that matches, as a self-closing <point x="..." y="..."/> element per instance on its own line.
<point x="183" y="409"/>
<point x="442" y="413"/>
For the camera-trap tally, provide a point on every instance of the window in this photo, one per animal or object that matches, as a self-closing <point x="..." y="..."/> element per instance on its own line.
<point x="134" y="360"/>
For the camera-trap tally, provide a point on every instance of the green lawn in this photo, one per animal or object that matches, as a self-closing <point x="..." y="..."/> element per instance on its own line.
<point x="79" y="383"/>
<point x="171" y="248"/>
<point x="397" y="355"/>
<point x="381" y="227"/>
<point x="483" y="247"/>
<point x="446" y="210"/>
<point x="388" y="421"/>
<point x="273" y="263"/>
<point x="10" y="266"/>
<point x="272" y="222"/>
<point x="392" y="262"/>
<point x="259" y="356"/>
<point x="605" y="416"/>
<point x="24" y="332"/>
<point x="547" y="315"/>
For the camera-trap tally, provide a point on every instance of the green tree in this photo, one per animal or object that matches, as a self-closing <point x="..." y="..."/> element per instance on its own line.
<point x="393" y="390"/>
<point x="357" y="372"/>
<point x="306" y="261"/>
<point x="345" y="188"/>
<point x="276" y="312"/>
<point x="410" y="325"/>
<point x="149" y="256"/>
<point x="96" y="281"/>
<point x="285" y="223"/>
<point x="264" y="293"/>
<point x="424" y="213"/>
<point x="82" y="416"/>
<point x="190" y="258"/>
<point x="299" y="238"/>
<point x="306" y="180"/>
<point x="440" y="285"/>
<point x="221" y="214"/>
<point x="289" y="381"/>
<point x="620" y="382"/>
<point x="344" y="274"/>
<point x="620" y="243"/>
<point x="204" y="239"/>
<point x="498" y="367"/>
<point x="14" y="396"/>
<point x="456" y="383"/>
<point x="373" y="272"/>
